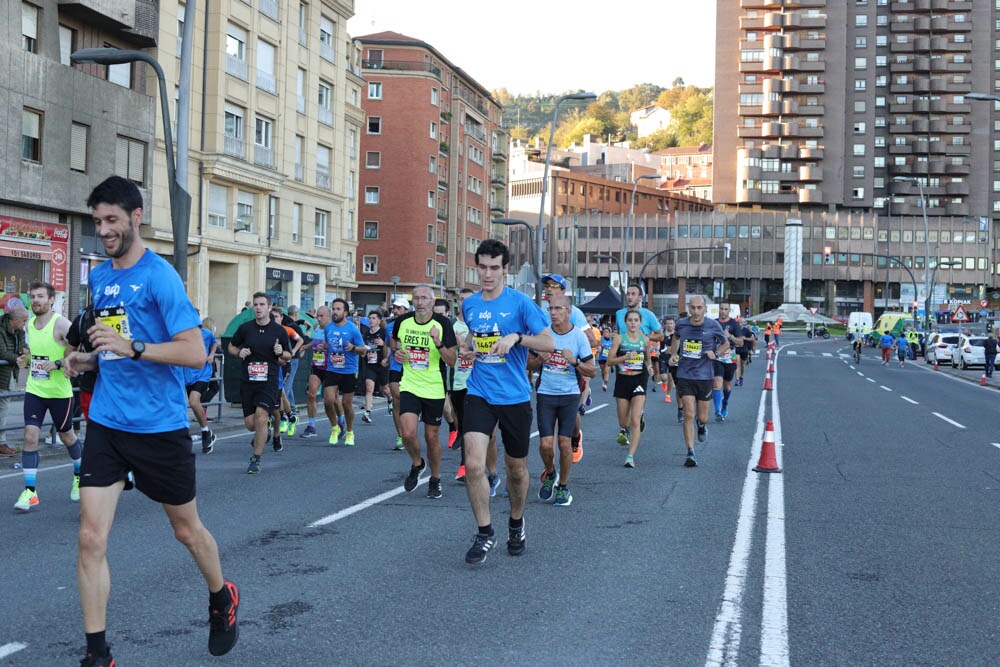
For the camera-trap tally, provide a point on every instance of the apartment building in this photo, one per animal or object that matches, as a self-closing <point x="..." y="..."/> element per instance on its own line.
<point x="687" y="170"/>
<point x="276" y="118"/>
<point x="434" y="172"/>
<point x="78" y="125"/>
<point x="860" y="107"/>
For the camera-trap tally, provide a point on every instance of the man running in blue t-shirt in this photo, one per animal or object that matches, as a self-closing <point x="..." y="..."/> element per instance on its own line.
<point x="503" y="325"/>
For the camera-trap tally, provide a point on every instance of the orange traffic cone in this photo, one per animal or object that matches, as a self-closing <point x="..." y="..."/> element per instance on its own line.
<point x="770" y="368"/>
<point x="982" y="380"/>
<point x="935" y="363"/>
<point x="768" y="462"/>
<point x="767" y="382"/>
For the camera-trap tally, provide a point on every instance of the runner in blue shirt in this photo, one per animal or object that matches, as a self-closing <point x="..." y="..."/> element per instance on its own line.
<point x="146" y="332"/>
<point x="503" y="324"/>
<point x="698" y="342"/>
<point x="344" y="344"/>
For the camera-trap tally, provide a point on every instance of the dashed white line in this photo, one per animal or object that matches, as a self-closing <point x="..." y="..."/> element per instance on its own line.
<point x="885" y="387"/>
<point x="996" y="444"/>
<point x="827" y="354"/>
<point x="950" y="421"/>
<point x="791" y="352"/>
<point x="860" y="373"/>
<point x="870" y="379"/>
<point x="12" y="648"/>
<point x="909" y="400"/>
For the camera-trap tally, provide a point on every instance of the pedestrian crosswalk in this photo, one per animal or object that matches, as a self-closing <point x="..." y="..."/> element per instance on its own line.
<point x="817" y="354"/>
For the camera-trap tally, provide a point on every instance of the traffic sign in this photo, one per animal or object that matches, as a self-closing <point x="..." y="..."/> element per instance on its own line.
<point x="960" y="315"/>
<point x="813" y="309"/>
<point x="984" y="303"/>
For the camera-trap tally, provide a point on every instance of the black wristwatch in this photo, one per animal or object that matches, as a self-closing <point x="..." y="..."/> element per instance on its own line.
<point x="58" y="363"/>
<point x="138" y="347"/>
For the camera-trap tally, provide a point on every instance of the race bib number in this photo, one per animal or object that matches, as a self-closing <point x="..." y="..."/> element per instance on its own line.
<point x="484" y="343"/>
<point x="634" y="361"/>
<point x="37" y="372"/>
<point x="372" y="356"/>
<point x="418" y="358"/>
<point x="463" y="366"/>
<point x="691" y="349"/>
<point x="557" y="364"/>
<point x="257" y="371"/>
<point x="117" y="319"/>
<point x="338" y="360"/>
<point x="319" y="359"/>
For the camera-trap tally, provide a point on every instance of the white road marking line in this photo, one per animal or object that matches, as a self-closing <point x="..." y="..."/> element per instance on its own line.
<point x="12" y="648"/>
<point x="860" y="373"/>
<point x="791" y="352"/>
<point x="909" y="400"/>
<point x="996" y="444"/>
<point x="870" y="379"/>
<point x="774" y="648"/>
<point x="950" y="421"/>
<point x="827" y="354"/>
<point x="885" y="387"/>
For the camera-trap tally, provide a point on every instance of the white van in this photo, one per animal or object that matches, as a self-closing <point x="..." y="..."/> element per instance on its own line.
<point x="859" y="321"/>
<point x="712" y="311"/>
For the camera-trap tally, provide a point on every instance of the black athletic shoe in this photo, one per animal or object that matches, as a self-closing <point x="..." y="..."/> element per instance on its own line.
<point x="516" y="540"/>
<point x="481" y="545"/>
<point x="224" y="628"/>
<point x="690" y="461"/>
<point x="414" y="476"/>
<point x="277" y="443"/>
<point x="207" y="444"/>
<point x="434" y="488"/>
<point x="94" y="661"/>
<point x="702" y="431"/>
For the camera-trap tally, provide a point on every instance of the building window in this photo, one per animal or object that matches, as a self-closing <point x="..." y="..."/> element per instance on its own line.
<point x="432" y="164"/>
<point x="319" y="231"/>
<point x="78" y="137"/>
<point x="303" y="23"/>
<point x="371" y="194"/>
<point x="374" y="90"/>
<point x="130" y="159"/>
<point x="369" y="264"/>
<point x="217" y="205"/>
<point x="860" y="42"/>
<point x="236" y="51"/>
<point x="29" y="27"/>
<point x="371" y="229"/>
<point x="244" y="211"/>
<point x="860" y="84"/>
<point x="323" y="167"/>
<point x="373" y="159"/>
<point x="352" y="144"/>
<point x="67" y="38"/>
<point x="434" y="130"/>
<point x="374" y="125"/>
<point x="860" y="20"/>
<point x="429" y="268"/>
<point x="233" y="131"/>
<point x="120" y="75"/>
<point x="434" y="96"/>
<point x="431" y="199"/>
<point x="324" y="103"/>
<point x="265" y="67"/>
<point x="326" y="37"/>
<point x="300" y="145"/>
<point x="858" y="193"/>
<point x="31" y="135"/>
<point x="350" y="184"/>
<point x="296" y="223"/>
<point x="263" y="141"/>
<point x="858" y="171"/>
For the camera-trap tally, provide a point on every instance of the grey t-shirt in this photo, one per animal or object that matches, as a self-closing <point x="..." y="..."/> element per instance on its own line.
<point x="695" y="341"/>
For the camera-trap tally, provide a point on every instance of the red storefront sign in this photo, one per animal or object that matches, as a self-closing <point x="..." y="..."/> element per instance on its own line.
<point x="42" y="241"/>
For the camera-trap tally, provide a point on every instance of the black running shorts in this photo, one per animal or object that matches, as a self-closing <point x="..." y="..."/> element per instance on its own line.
<point x="395" y="376"/>
<point x="556" y="409"/>
<point x="630" y="386"/>
<point x="378" y="374"/>
<point x="724" y="371"/>
<point x="700" y="389"/>
<point x="429" y="409"/>
<point x="200" y="387"/>
<point x="162" y="463"/>
<point x="514" y="421"/>
<point x="255" y="395"/>
<point x="345" y="383"/>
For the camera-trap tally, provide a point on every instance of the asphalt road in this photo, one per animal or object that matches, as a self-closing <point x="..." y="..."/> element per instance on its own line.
<point x="877" y="544"/>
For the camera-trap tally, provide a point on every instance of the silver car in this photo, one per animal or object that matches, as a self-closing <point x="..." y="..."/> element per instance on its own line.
<point x="969" y="352"/>
<point x="940" y="347"/>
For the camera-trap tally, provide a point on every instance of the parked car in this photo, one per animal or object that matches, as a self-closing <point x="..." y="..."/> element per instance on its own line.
<point x="940" y="346"/>
<point x="969" y="352"/>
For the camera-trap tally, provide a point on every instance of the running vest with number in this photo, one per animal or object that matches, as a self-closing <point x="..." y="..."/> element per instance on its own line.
<point x="43" y="346"/>
<point x="634" y="353"/>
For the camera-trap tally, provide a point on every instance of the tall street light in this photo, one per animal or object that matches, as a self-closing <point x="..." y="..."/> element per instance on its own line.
<point x="989" y="232"/>
<point x="395" y="285"/>
<point x="948" y="264"/>
<point x="442" y="267"/>
<point x="631" y="214"/>
<point x="180" y="200"/>
<point x="621" y="290"/>
<point x="927" y="247"/>
<point x="534" y="244"/>
<point x="576" y="97"/>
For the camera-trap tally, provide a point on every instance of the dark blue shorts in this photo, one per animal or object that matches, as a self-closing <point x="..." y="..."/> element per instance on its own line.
<point x="61" y="410"/>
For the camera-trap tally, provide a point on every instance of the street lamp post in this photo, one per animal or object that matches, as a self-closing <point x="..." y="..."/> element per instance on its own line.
<point x="578" y="97"/>
<point x="601" y="255"/>
<point x="927" y="245"/>
<point x="180" y="200"/>
<point x="745" y="258"/>
<point x="395" y="284"/>
<point x="532" y="243"/>
<point x="631" y="214"/>
<point x="938" y="264"/>
<point x="572" y="261"/>
<point x="442" y="267"/>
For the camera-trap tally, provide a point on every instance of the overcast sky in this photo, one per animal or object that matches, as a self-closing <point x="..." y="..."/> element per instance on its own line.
<point x="552" y="46"/>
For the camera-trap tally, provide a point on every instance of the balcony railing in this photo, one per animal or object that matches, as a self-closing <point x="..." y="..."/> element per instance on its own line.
<point x="298" y="172"/>
<point x="234" y="146"/>
<point x="236" y="66"/>
<point x="300" y="104"/>
<point x="266" y="81"/>
<point x="326" y="51"/>
<point x="263" y="155"/>
<point x="323" y="178"/>
<point x="476" y="132"/>
<point x="406" y="65"/>
<point x="303" y="37"/>
<point x="269" y="8"/>
<point x="325" y="116"/>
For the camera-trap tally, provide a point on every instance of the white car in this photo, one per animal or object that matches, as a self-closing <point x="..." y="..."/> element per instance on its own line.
<point x="969" y="352"/>
<point x="940" y="347"/>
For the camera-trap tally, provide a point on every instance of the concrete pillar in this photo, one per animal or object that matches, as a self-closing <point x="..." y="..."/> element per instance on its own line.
<point x="868" y="288"/>
<point x="681" y="294"/>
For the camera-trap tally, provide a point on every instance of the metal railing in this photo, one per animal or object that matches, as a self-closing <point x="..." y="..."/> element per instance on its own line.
<point x="17" y="396"/>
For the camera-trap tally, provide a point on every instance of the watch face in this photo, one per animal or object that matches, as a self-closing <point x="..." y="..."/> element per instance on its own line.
<point x="138" y="347"/>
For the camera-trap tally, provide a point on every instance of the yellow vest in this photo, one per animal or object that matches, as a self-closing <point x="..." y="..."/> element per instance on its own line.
<point x="43" y="346"/>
